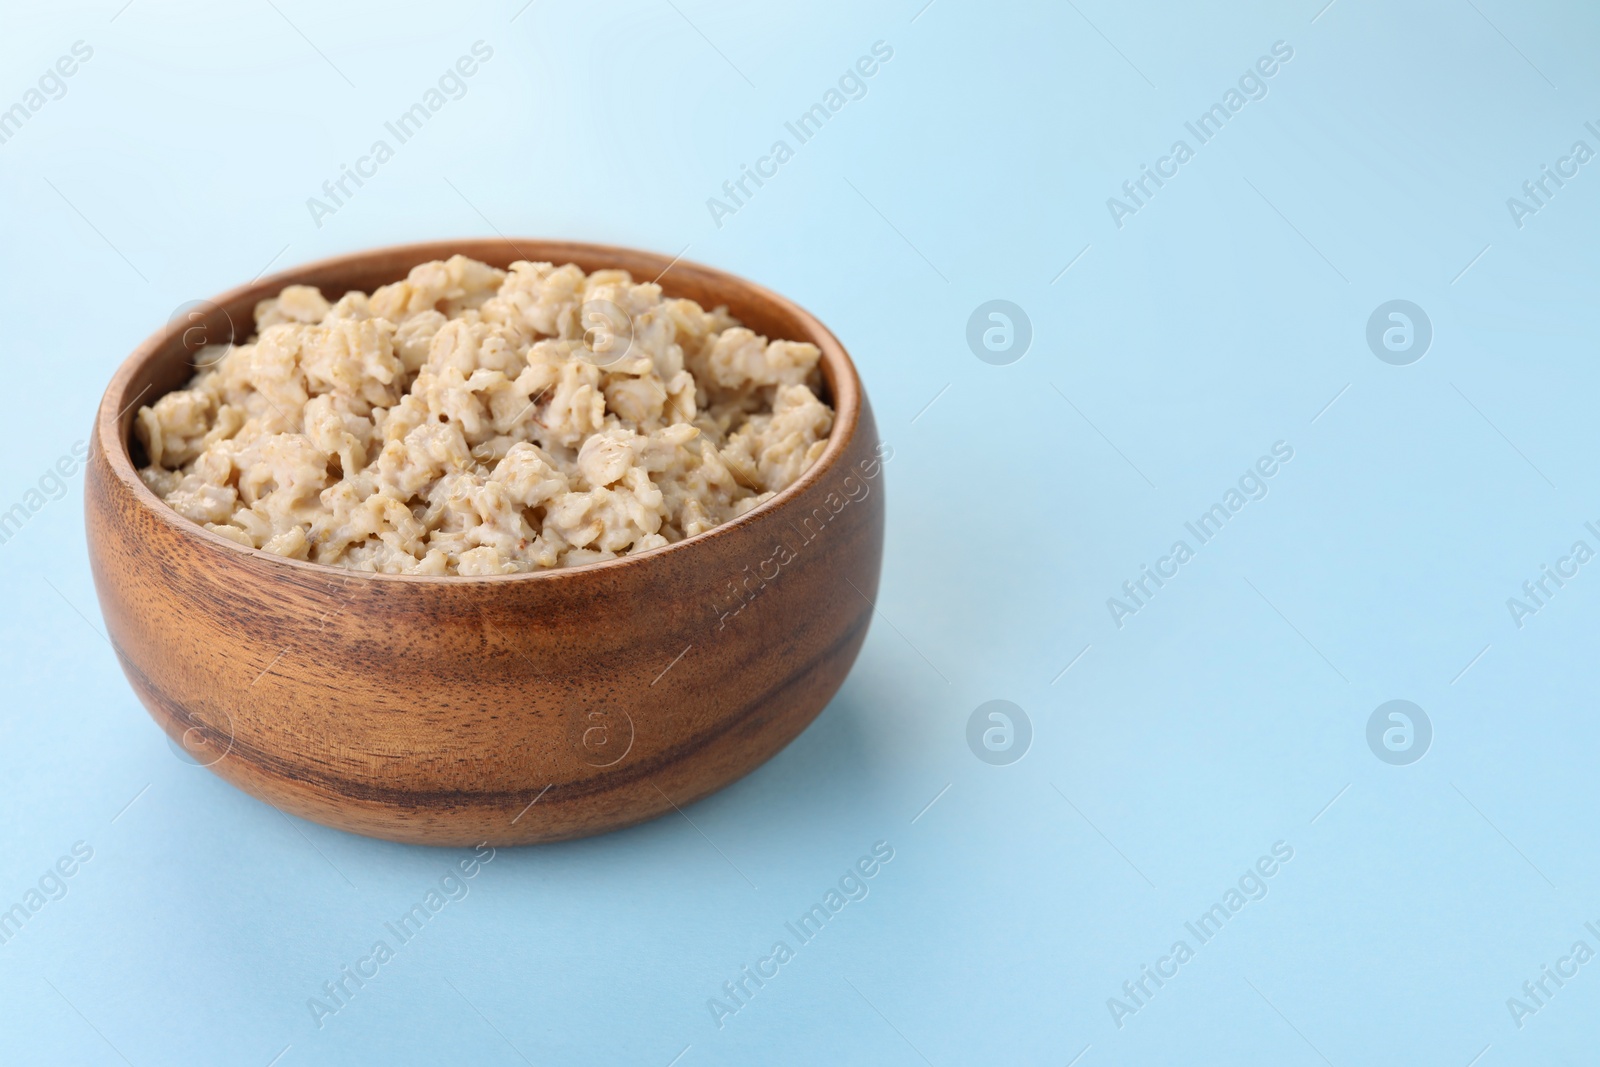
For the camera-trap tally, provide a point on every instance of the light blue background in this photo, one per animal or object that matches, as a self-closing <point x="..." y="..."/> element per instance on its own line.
<point x="1225" y="716"/>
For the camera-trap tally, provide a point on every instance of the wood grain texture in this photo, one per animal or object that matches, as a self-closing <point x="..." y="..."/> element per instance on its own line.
<point x="436" y="710"/>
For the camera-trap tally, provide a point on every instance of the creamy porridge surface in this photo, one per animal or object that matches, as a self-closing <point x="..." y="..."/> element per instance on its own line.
<point x="470" y="420"/>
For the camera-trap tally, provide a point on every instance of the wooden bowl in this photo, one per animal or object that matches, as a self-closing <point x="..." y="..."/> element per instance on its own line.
<point x="507" y="709"/>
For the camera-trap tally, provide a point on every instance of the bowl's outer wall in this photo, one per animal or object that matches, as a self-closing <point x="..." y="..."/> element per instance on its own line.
<point x="435" y="711"/>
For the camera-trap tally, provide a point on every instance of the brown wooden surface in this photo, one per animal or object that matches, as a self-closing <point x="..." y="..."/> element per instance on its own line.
<point x="434" y="710"/>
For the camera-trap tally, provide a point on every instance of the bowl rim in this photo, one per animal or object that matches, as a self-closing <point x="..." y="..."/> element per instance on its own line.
<point x="839" y="372"/>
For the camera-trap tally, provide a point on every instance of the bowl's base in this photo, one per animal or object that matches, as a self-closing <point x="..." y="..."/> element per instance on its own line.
<point x="541" y="811"/>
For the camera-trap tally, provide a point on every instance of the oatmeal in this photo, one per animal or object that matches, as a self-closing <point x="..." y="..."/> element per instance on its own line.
<point x="470" y="420"/>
